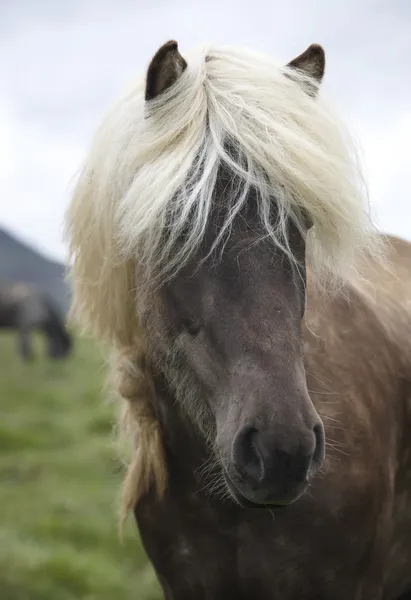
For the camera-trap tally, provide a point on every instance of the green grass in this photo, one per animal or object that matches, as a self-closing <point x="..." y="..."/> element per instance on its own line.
<point x="59" y="485"/>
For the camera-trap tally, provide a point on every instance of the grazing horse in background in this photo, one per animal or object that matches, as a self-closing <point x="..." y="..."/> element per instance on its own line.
<point x="260" y="326"/>
<point x="25" y="308"/>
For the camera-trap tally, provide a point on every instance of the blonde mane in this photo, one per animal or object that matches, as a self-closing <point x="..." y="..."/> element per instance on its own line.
<point x="150" y="176"/>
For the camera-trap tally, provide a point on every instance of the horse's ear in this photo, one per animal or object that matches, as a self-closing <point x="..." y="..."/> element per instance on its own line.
<point x="166" y="66"/>
<point x="312" y="64"/>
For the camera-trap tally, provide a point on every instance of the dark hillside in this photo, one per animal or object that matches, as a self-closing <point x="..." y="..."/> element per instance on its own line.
<point x="19" y="262"/>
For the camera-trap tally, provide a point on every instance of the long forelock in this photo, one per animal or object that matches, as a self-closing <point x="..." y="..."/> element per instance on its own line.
<point x="287" y="145"/>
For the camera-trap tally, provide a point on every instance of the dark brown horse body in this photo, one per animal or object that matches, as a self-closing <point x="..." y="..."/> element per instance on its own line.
<point x="349" y="537"/>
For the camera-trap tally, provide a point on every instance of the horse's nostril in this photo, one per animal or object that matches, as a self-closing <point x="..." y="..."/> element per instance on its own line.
<point x="246" y="455"/>
<point x="319" y="443"/>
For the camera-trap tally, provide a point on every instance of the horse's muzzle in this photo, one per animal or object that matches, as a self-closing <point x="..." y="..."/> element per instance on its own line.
<point x="268" y="468"/>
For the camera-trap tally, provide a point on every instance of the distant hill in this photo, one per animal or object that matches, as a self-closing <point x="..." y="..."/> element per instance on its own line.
<point x="19" y="262"/>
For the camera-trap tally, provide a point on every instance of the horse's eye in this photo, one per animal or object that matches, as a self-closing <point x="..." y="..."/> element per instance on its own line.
<point x="192" y="325"/>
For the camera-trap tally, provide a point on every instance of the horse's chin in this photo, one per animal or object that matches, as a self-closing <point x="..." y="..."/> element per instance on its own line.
<point x="245" y="502"/>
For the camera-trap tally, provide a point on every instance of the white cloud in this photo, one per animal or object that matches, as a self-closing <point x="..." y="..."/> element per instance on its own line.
<point x="387" y="153"/>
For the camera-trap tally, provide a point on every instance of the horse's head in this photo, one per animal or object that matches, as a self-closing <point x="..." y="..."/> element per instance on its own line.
<point x="60" y="347"/>
<point x="227" y="332"/>
<point x="60" y="341"/>
<point x="202" y="188"/>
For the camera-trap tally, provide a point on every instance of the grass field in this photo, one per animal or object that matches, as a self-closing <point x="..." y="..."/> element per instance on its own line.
<point x="59" y="482"/>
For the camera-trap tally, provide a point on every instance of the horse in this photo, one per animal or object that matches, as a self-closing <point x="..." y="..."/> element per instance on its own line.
<point x="223" y="247"/>
<point x="26" y="308"/>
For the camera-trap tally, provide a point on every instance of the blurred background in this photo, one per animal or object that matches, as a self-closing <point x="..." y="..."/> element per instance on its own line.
<point x="62" y="63"/>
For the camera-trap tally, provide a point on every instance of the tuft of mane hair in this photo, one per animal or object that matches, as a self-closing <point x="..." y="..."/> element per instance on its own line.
<point x="150" y="177"/>
<point x="132" y="383"/>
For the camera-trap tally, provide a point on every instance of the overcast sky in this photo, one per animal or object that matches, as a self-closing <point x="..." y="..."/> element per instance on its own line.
<point x="62" y="63"/>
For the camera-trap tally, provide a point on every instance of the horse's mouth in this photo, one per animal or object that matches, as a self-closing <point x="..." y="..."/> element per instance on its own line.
<point x="245" y="502"/>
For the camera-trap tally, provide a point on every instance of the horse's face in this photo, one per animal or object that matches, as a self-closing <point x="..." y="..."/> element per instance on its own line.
<point x="228" y="336"/>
